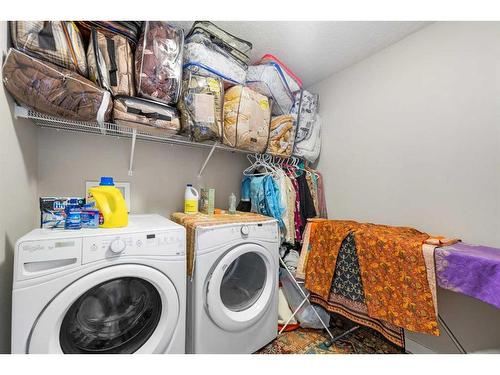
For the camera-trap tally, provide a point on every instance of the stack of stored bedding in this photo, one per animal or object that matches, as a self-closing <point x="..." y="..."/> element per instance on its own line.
<point x="308" y="125"/>
<point x="212" y="51"/>
<point x="201" y="104"/>
<point x="238" y="48"/>
<point x="272" y="78"/>
<point x="158" y="62"/>
<point x="58" y="42"/>
<point x="293" y="81"/>
<point x="54" y="90"/>
<point x="246" y="119"/>
<point x="110" y="62"/>
<point x="281" y="136"/>
<point x="129" y="29"/>
<point x="146" y="115"/>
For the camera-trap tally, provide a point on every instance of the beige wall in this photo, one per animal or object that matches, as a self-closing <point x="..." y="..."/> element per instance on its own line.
<point x="18" y="191"/>
<point x="161" y="172"/>
<point x="412" y="137"/>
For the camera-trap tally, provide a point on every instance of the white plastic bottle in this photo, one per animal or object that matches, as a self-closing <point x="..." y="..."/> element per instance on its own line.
<point x="232" y="204"/>
<point x="191" y="198"/>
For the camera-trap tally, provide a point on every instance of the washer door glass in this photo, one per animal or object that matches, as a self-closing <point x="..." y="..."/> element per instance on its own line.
<point x="243" y="282"/>
<point x="116" y="316"/>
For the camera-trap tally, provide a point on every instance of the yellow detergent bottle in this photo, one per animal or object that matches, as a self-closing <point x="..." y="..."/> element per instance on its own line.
<point x="111" y="204"/>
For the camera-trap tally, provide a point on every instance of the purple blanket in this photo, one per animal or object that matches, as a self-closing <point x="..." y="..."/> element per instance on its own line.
<point x="473" y="270"/>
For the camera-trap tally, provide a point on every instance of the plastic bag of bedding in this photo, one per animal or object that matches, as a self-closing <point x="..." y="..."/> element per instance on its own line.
<point x="158" y="62"/>
<point x="306" y="315"/>
<point x="201" y="104"/>
<point x="204" y="57"/>
<point x="53" y="90"/>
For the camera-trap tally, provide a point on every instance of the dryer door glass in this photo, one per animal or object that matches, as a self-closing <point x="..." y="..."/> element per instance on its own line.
<point x="243" y="281"/>
<point x="116" y="316"/>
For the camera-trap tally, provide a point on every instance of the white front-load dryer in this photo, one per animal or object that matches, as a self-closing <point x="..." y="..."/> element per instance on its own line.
<point x="101" y="290"/>
<point x="233" y="295"/>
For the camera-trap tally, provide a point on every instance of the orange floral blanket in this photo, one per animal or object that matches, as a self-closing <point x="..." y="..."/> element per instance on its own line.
<point x="393" y="271"/>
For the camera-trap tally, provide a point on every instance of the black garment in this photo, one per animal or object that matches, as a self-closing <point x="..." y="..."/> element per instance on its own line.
<point x="244" y="206"/>
<point x="307" y="209"/>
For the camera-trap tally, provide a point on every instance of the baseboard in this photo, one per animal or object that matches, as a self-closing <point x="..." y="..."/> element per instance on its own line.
<point x="414" y="347"/>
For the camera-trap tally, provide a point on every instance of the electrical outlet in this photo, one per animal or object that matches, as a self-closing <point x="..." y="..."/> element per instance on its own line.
<point x="124" y="187"/>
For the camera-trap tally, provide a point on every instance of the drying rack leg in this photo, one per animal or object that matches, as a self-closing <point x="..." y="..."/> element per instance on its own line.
<point x="207" y="159"/>
<point x="450" y="334"/>
<point x="329" y="342"/>
<point x="132" y="151"/>
<point x="292" y="316"/>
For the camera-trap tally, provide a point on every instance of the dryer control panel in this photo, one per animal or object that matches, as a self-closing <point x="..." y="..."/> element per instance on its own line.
<point x="170" y="243"/>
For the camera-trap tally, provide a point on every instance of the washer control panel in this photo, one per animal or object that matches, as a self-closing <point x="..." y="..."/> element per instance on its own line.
<point x="171" y="243"/>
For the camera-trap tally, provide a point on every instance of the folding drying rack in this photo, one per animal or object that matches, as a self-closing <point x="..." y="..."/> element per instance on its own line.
<point x="329" y="342"/>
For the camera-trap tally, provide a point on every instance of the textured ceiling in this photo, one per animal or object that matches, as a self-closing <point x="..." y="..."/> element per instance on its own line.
<point x="316" y="50"/>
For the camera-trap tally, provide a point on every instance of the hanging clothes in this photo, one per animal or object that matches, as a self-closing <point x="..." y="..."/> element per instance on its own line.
<point x="296" y="216"/>
<point x="307" y="210"/>
<point x="244" y="205"/>
<point x="290" y="212"/>
<point x="323" y="213"/>
<point x="265" y="197"/>
<point x="284" y="189"/>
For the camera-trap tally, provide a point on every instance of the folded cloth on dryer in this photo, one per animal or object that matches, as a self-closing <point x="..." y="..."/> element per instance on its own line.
<point x="393" y="271"/>
<point x="193" y="221"/>
<point x="472" y="270"/>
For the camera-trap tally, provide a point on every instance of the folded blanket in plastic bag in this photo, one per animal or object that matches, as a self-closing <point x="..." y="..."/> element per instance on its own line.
<point x="158" y="62"/>
<point x="58" y="42"/>
<point x="53" y="90"/>
<point x="201" y="105"/>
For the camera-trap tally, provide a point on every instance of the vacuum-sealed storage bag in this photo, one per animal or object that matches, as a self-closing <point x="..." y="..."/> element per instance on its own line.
<point x="158" y="62"/>
<point x="110" y="60"/>
<point x="238" y="48"/>
<point x="292" y="80"/>
<point x="53" y="90"/>
<point x="246" y="119"/>
<point x="308" y="125"/>
<point x="203" y="56"/>
<point x="58" y="42"/>
<point x="146" y="115"/>
<point x="281" y="136"/>
<point x="269" y="80"/>
<point x="201" y="105"/>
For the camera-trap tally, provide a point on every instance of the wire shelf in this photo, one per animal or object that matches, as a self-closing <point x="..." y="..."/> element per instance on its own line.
<point x="115" y="130"/>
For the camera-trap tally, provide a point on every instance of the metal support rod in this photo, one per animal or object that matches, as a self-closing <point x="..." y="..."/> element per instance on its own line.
<point x="132" y="151"/>
<point x="336" y="338"/>
<point x="451" y="335"/>
<point x="214" y="146"/>
<point x="292" y="316"/>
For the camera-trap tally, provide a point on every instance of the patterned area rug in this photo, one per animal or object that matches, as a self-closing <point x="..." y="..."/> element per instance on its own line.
<point x="311" y="341"/>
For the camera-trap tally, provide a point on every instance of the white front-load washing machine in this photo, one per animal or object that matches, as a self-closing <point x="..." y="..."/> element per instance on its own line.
<point x="93" y="291"/>
<point x="233" y="294"/>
